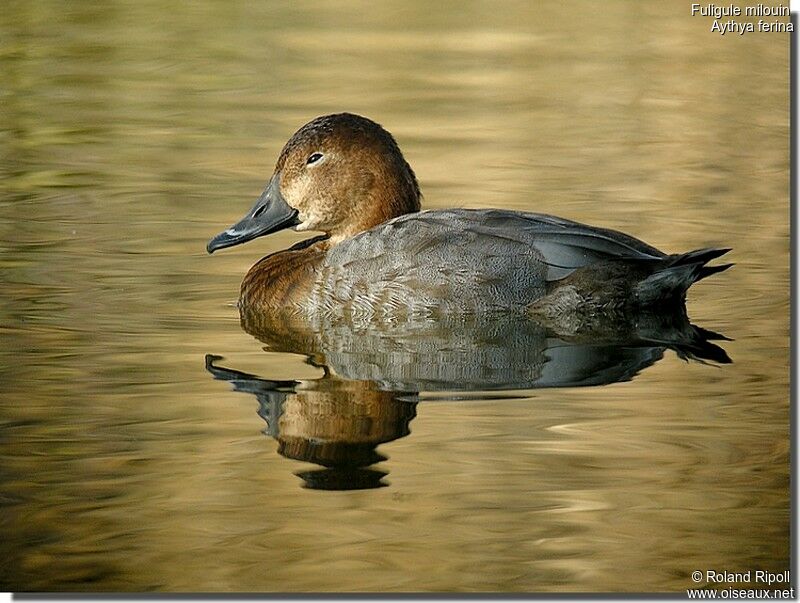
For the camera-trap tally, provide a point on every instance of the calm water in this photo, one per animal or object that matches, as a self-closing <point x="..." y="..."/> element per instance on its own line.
<point x="132" y="133"/>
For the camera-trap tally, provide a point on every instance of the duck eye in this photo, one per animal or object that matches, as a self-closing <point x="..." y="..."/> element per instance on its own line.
<point x="313" y="158"/>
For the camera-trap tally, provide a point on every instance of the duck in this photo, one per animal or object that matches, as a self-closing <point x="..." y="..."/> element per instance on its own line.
<point x="344" y="176"/>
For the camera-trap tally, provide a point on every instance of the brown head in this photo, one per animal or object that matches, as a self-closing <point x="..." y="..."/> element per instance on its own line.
<point x="340" y="174"/>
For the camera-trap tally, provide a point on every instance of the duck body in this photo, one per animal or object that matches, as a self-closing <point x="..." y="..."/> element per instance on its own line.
<point x="507" y="261"/>
<point x="344" y="175"/>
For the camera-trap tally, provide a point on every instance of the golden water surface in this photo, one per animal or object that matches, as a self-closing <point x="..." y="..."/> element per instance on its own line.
<point x="132" y="132"/>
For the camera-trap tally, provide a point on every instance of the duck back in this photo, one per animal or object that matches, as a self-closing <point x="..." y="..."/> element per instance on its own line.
<point x="466" y="261"/>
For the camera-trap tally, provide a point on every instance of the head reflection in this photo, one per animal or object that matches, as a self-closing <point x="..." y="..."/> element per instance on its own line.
<point x="329" y="422"/>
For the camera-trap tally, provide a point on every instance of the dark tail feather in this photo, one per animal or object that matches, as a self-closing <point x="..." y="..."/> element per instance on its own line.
<point x="709" y="270"/>
<point x="677" y="273"/>
<point x="702" y="257"/>
<point x="698" y="256"/>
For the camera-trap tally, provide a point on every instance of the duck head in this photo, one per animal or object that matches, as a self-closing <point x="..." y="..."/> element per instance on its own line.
<point x="340" y="174"/>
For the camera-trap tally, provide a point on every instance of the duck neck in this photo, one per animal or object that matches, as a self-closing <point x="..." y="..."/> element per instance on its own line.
<point x="384" y="203"/>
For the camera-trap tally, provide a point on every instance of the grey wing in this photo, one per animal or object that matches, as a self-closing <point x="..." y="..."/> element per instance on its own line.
<point x="565" y="245"/>
<point x="430" y="261"/>
<point x="470" y="258"/>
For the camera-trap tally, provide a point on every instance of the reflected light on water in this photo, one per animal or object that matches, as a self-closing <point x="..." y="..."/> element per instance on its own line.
<point x="131" y="134"/>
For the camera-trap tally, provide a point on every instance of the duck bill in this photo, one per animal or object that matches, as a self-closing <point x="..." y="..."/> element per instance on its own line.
<point x="270" y="214"/>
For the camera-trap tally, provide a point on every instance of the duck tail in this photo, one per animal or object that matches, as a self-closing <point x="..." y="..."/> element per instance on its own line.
<point x="674" y="275"/>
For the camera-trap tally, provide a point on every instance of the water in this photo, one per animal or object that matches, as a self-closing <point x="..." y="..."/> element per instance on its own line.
<point x="132" y="133"/>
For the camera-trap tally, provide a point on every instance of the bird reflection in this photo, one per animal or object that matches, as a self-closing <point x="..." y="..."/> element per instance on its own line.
<point x="331" y="422"/>
<point x="374" y="371"/>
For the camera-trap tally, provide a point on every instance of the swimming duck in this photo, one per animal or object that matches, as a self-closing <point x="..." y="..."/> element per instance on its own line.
<point x="344" y="175"/>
